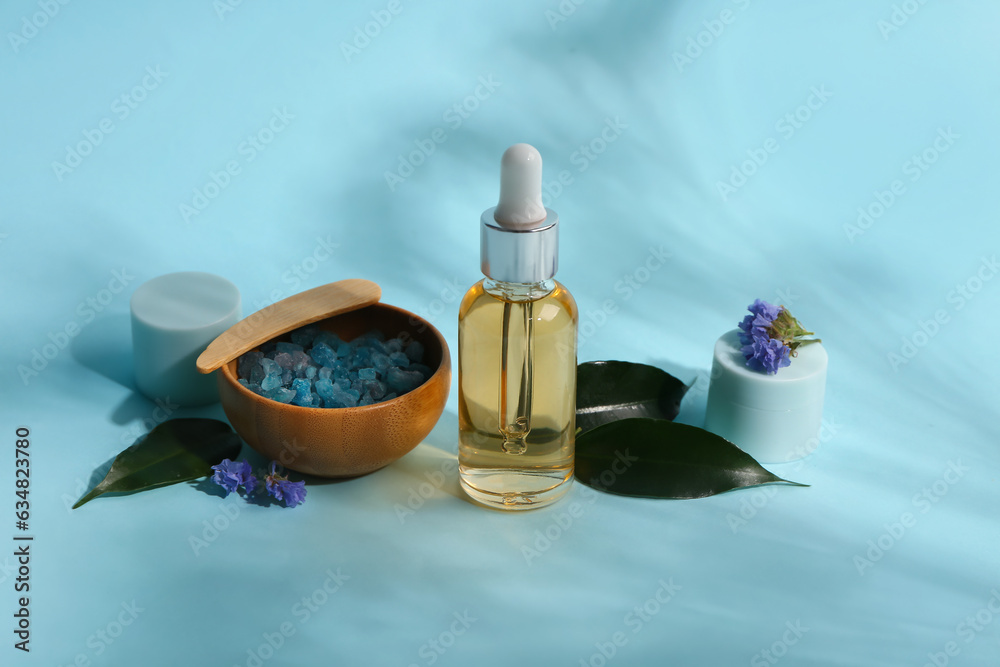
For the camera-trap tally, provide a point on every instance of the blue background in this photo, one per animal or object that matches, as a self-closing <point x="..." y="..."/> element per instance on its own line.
<point x="693" y="91"/>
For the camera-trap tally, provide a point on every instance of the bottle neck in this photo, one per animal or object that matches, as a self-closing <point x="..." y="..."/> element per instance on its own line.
<point x="519" y="256"/>
<point x="519" y="292"/>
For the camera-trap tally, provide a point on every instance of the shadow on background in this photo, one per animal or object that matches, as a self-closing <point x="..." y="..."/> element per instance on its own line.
<point x="693" y="404"/>
<point x="427" y="475"/>
<point x="105" y="346"/>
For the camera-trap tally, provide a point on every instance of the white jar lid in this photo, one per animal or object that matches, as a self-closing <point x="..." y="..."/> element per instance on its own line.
<point x="771" y="417"/>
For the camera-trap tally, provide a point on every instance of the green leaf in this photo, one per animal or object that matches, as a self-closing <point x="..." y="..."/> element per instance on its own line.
<point x="608" y="391"/>
<point x="653" y="458"/>
<point x="177" y="450"/>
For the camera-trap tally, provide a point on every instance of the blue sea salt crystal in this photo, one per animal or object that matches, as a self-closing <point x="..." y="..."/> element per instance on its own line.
<point x="374" y="344"/>
<point x="328" y="338"/>
<point x="362" y="356"/>
<point x="380" y="362"/>
<point x="402" y="381"/>
<point x="334" y="373"/>
<point x="287" y="348"/>
<point x="248" y="361"/>
<point x="420" y="368"/>
<point x="305" y="336"/>
<point x="270" y="382"/>
<point x="334" y="402"/>
<point x="280" y="394"/>
<point x="323" y="354"/>
<point x="346" y="399"/>
<point x="335" y="398"/>
<point x="415" y="351"/>
<point x="257" y="373"/>
<point x="399" y="359"/>
<point x="270" y="366"/>
<point x="250" y="385"/>
<point x="300" y="361"/>
<point x="303" y="393"/>
<point x="325" y="389"/>
<point x="374" y="388"/>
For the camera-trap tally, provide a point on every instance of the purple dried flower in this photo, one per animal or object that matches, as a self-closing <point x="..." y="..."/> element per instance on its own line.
<point x="293" y="493"/>
<point x="770" y="336"/>
<point x="766" y="354"/>
<point x="756" y="324"/>
<point x="231" y="475"/>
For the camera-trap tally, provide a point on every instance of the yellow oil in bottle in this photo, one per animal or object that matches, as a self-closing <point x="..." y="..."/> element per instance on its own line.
<point x="517" y="392"/>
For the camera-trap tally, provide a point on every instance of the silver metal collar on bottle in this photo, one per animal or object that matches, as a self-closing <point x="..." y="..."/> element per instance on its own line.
<point x="511" y="256"/>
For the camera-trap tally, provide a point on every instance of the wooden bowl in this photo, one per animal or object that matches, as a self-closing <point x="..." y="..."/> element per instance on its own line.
<point x="345" y="442"/>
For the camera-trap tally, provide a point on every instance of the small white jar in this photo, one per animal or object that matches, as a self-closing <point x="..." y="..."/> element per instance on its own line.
<point x="174" y="318"/>
<point x="770" y="417"/>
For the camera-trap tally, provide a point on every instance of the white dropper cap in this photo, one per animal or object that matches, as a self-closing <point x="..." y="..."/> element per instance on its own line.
<point x="520" y="206"/>
<point x="519" y="241"/>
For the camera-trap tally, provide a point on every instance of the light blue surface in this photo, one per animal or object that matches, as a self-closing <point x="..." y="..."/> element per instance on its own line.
<point x="905" y="301"/>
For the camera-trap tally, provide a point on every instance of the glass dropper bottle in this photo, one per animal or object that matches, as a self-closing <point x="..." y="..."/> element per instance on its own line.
<point x="517" y="351"/>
